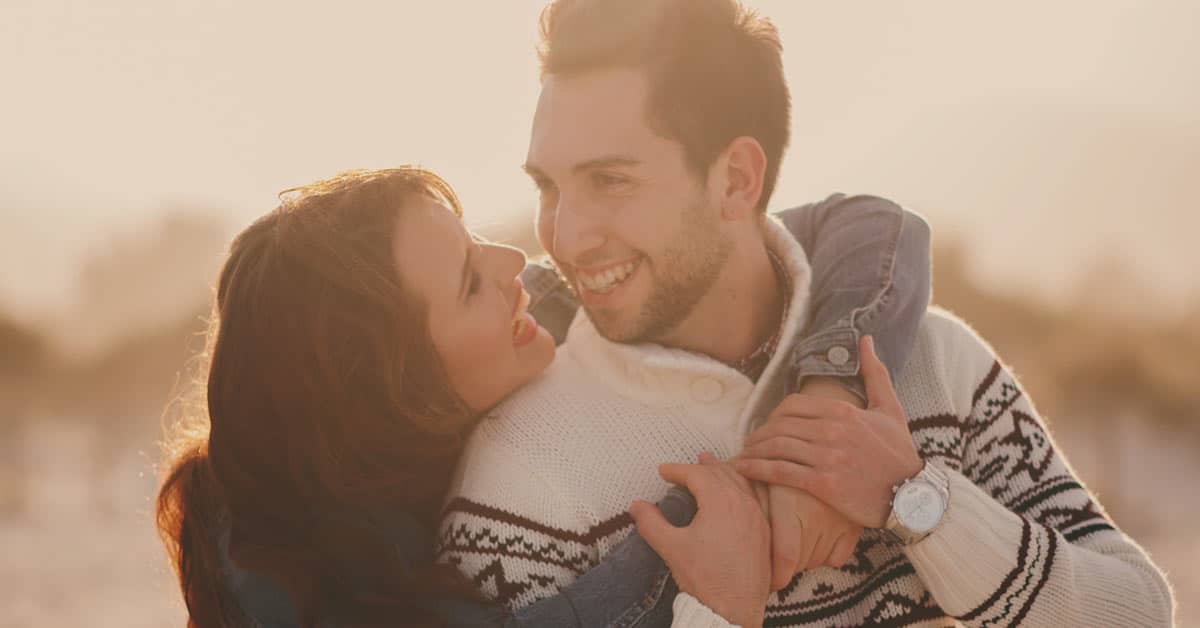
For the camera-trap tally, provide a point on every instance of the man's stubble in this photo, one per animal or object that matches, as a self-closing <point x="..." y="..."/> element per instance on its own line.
<point x="681" y="277"/>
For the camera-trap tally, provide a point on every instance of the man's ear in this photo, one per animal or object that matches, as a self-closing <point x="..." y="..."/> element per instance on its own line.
<point x="745" y="166"/>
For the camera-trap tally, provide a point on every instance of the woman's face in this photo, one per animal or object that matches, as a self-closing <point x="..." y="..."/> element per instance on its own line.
<point x="487" y="341"/>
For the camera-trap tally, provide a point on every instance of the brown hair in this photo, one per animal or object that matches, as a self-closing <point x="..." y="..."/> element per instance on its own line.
<point x="324" y="401"/>
<point x="714" y="68"/>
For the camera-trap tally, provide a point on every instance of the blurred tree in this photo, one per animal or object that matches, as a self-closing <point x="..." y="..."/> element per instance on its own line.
<point x="146" y="280"/>
<point x="23" y="358"/>
<point x="21" y="348"/>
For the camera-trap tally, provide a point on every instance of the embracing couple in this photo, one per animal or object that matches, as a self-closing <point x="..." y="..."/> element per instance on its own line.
<point x="693" y="414"/>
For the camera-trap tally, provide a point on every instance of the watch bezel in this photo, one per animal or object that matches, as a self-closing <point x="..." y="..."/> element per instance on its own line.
<point x="940" y="482"/>
<point x="904" y="510"/>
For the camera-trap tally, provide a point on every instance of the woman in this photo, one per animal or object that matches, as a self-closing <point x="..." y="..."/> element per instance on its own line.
<point x="306" y="487"/>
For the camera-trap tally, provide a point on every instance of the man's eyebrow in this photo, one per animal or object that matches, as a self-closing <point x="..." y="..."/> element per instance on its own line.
<point x="600" y="162"/>
<point x="607" y="161"/>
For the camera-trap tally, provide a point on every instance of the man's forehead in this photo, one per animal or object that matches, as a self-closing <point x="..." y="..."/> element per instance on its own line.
<point x="589" y="116"/>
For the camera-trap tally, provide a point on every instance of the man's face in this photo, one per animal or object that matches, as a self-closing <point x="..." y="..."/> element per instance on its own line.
<point x="636" y="233"/>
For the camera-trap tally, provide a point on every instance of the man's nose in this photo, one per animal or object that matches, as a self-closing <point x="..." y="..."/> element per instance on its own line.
<point x="576" y="230"/>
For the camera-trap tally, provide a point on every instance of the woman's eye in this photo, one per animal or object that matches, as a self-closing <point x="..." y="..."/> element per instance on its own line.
<point x="543" y="186"/>
<point x="473" y="287"/>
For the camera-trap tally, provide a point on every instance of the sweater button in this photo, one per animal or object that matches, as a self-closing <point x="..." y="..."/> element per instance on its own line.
<point x="707" y="389"/>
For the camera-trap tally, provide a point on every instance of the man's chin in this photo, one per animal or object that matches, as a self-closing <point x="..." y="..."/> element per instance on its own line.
<point x="613" y="325"/>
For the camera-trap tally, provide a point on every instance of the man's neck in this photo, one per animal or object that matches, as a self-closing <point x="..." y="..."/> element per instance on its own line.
<point x="743" y="309"/>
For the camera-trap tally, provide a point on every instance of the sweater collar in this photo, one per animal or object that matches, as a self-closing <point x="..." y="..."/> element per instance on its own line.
<point x="660" y="376"/>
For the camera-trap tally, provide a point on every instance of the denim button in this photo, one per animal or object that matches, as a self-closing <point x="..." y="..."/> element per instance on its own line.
<point x="838" y="355"/>
<point x="707" y="389"/>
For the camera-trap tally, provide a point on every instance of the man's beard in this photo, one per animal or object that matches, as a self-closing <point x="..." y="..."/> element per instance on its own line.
<point x="681" y="277"/>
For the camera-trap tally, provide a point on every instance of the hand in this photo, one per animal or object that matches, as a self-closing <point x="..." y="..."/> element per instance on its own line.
<point x="723" y="557"/>
<point x="806" y="533"/>
<point x="847" y="457"/>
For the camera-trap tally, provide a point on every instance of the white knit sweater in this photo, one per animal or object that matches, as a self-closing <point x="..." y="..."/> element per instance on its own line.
<point x="546" y="481"/>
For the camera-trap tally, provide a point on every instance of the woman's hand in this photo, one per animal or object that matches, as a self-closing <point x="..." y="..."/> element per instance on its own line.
<point x="723" y="558"/>
<point x="807" y="533"/>
<point x="847" y="457"/>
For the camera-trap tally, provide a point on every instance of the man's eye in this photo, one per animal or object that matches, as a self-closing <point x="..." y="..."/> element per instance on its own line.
<point x="605" y="180"/>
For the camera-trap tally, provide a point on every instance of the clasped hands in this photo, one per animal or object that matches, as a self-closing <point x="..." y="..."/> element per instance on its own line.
<point x="826" y="468"/>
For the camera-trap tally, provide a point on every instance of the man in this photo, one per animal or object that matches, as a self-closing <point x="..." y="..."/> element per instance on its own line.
<point x="656" y="145"/>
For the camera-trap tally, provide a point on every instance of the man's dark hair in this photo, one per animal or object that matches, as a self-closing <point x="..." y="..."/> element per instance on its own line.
<point x="714" y="68"/>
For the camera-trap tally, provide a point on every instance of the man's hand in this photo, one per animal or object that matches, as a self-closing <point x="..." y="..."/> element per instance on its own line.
<point x="806" y="532"/>
<point x="847" y="457"/>
<point x="723" y="557"/>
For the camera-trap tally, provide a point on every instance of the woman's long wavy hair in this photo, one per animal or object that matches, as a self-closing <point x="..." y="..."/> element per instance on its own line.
<point x="324" y="395"/>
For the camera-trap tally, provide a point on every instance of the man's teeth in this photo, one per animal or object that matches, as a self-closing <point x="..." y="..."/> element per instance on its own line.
<point x="609" y="279"/>
<point x="519" y="327"/>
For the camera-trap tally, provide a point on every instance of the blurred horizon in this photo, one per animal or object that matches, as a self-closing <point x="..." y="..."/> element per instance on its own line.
<point x="1069" y="128"/>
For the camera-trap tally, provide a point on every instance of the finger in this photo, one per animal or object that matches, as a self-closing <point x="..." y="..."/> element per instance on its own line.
<point x="800" y="405"/>
<point x="710" y="484"/>
<point x="821" y="551"/>
<point x="727" y="473"/>
<point x="880" y="392"/>
<point x="658" y="533"/>
<point x="762" y="493"/>
<point x="787" y="546"/>
<point x="812" y="430"/>
<point x="708" y="458"/>
<point x="696" y="478"/>
<point x="790" y="449"/>
<point x="783" y="474"/>
<point x="843" y="549"/>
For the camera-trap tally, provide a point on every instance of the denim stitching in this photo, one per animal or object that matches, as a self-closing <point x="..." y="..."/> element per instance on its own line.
<point x="634" y="615"/>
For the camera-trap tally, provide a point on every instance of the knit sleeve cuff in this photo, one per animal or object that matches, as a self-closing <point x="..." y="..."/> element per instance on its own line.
<point x="972" y="552"/>
<point x="691" y="613"/>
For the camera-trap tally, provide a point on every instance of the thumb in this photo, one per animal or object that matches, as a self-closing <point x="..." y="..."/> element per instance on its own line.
<point x="658" y="533"/>
<point x="880" y="393"/>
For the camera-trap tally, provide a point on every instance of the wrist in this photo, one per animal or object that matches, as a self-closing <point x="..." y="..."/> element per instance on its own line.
<point x="736" y="612"/>
<point x="919" y="505"/>
<point x="831" y="387"/>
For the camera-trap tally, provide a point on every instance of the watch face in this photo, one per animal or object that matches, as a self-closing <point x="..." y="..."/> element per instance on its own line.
<point x="919" y="506"/>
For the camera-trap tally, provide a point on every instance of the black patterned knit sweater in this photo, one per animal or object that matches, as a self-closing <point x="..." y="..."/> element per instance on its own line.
<point x="544" y="487"/>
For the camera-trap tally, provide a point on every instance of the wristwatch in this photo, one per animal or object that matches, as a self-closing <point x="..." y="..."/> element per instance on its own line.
<point x="918" y="505"/>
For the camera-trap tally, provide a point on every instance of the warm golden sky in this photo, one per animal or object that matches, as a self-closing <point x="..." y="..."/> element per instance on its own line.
<point x="1045" y="132"/>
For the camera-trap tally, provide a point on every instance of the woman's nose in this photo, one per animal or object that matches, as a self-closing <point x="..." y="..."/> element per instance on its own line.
<point x="509" y="262"/>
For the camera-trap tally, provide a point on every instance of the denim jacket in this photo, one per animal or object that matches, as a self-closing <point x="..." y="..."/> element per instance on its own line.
<point x="871" y="275"/>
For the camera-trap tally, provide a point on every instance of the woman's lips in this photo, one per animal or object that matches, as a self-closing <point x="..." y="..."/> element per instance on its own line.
<point x="524" y="329"/>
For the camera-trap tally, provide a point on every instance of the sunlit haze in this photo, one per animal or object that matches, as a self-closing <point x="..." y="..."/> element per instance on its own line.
<point x="1046" y="134"/>
<point x="1054" y="147"/>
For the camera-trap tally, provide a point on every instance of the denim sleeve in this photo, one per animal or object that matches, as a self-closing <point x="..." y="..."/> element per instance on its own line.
<point x="630" y="588"/>
<point x="871" y="276"/>
<point x="550" y="300"/>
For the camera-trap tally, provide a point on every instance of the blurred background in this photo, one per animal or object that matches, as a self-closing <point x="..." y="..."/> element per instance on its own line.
<point x="1054" y="147"/>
